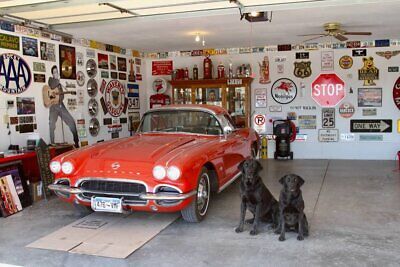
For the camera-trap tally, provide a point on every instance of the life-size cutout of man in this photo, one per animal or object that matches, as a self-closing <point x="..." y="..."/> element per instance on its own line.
<point x="58" y="109"/>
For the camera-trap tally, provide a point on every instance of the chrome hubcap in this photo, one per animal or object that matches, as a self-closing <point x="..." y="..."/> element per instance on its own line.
<point x="203" y="193"/>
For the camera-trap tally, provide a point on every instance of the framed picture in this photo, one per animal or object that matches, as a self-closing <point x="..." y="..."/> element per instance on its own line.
<point x="25" y="105"/>
<point x="103" y="61"/>
<point x="30" y="47"/>
<point x="121" y="64"/>
<point x="113" y="62"/>
<point x="67" y="62"/>
<point x="370" y="97"/>
<point x="213" y="95"/>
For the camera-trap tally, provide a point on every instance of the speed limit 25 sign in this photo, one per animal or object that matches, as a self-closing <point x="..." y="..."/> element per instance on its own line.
<point x="328" y="118"/>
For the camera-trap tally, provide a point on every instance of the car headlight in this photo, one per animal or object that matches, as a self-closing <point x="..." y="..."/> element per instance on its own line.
<point x="173" y="173"/>
<point x="159" y="172"/>
<point x="55" y="167"/>
<point x="67" y="167"/>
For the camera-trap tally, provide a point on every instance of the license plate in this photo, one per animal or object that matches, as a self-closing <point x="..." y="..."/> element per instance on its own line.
<point x="106" y="204"/>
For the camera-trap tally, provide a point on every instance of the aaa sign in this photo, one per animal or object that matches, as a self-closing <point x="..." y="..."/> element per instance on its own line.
<point x="328" y="90"/>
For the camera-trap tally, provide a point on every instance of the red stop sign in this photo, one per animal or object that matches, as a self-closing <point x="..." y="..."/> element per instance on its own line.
<point x="328" y="90"/>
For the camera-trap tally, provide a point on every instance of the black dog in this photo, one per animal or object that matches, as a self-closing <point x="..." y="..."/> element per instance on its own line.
<point x="256" y="197"/>
<point x="291" y="207"/>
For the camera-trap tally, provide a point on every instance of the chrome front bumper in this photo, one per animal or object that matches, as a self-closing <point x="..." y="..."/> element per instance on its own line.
<point x="145" y="196"/>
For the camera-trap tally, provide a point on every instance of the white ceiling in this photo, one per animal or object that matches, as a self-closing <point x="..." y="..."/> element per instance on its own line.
<point x="158" y="29"/>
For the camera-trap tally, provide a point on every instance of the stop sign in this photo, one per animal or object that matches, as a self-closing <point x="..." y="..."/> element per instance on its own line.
<point x="328" y="90"/>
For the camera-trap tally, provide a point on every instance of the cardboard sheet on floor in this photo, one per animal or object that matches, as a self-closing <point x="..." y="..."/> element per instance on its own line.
<point x="107" y="235"/>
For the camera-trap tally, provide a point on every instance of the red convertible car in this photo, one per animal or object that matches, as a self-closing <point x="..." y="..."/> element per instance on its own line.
<point x="178" y="157"/>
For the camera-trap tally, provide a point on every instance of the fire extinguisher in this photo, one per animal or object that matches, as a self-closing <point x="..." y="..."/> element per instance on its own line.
<point x="264" y="148"/>
<point x="207" y="66"/>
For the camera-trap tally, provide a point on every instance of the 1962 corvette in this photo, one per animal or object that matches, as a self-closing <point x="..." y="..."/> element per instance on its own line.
<point x="178" y="157"/>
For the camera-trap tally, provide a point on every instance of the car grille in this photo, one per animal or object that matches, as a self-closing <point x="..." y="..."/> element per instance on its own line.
<point x="129" y="191"/>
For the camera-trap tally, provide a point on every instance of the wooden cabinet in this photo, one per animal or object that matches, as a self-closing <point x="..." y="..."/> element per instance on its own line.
<point x="232" y="94"/>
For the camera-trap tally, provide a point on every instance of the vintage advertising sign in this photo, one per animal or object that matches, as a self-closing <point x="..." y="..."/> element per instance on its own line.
<point x="261" y="98"/>
<point x="159" y="86"/>
<point x="114" y="98"/>
<point x="370" y="97"/>
<point x="353" y="44"/>
<point x="15" y="74"/>
<point x="346" y="62"/>
<point x="307" y="121"/>
<point x="327" y="59"/>
<point x="347" y="137"/>
<point x="260" y="123"/>
<point x="368" y="73"/>
<point x="328" y="90"/>
<point x="9" y="41"/>
<point x="163" y="67"/>
<point x="331" y="135"/>
<point x="359" y="52"/>
<point x="302" y="69"/>
<point x="346" y="110"/>
<point x="382" y="43"/>
<point x="264" y="71"/>
<point x="284" y="91"/>
<point x="396" y="93"/>
<point x="328" y="118"/>
<point x="388" y="54"/>
<point x="371" y="126"/>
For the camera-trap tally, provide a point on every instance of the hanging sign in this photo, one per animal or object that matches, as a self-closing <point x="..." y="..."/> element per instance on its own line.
<point x="396" y="93"/>
<point x="368" y="73"/>
<point x="302" y="69"/>
<point x="328" y="90"/>
<point x="346" y="110"/>
<point x="346" y="62"/>
<point x="163" y="67"/>
<point x="327" y="59"/>
<point x="15" y="74"/>
<point x="9" y="41"/>
<point x="327" y="136"/>
<point x="328" y="118"/>
<point x="284" y="91"/>
<point x="371" y="126"/>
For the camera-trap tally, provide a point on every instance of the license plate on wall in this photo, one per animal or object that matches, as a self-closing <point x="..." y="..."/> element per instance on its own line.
<point x="106" y="204"/>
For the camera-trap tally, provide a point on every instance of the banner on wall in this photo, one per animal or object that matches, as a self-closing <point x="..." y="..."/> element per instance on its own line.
<point x="164" y="67"/>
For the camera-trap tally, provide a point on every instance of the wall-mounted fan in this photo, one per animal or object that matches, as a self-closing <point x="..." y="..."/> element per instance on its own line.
<point x="333" y="29"/>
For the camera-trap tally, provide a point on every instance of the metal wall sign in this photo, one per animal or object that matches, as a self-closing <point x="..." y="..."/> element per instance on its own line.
<point x="388" y="54"/>
<point x="371" y="126"/>
<point x="368" y="73"/>
<point x="325" y="135"/>
<point x="346" y="110"/>
<point x="302" y="69"/>
<point x="275" y="108"/>
<point x="9" y="41"/>
<point x="328" y="118"/>
<point x="393" y="69"/>
<point x="327" y="61"/>
<point x="284" y="91"/>
<point x="347" y="137"/>
<point x="359" y="52"/>
<point x="302" y="55"/>
<point x="369" y="111"/>
<point x="260" y="123"/>
<point x="307" y="121"/>
<point x="43" y="158"/>
<point x="346" y="62"/>
<point x="396" y="93"/>
<point x="371" y="137"/>
<point x="15" y="74"/>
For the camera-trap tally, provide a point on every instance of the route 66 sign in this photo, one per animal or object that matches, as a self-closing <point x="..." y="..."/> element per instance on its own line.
<point x="302" y="69"/>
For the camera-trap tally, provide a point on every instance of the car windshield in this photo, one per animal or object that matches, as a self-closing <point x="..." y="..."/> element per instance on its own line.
<point x="188" y="121"/>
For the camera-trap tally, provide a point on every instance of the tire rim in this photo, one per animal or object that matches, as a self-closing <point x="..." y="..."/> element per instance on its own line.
<point x="203" y="194"/>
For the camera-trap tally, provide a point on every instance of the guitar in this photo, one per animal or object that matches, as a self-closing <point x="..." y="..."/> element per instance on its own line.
<point x="52" y="96"/>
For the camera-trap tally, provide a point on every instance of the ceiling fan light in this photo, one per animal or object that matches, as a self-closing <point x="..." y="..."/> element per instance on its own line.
<point x="254" y="14"/>
<point x="197" y="39"/>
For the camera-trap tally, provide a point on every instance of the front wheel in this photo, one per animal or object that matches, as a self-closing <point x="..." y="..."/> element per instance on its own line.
<point x="196" y="211"/>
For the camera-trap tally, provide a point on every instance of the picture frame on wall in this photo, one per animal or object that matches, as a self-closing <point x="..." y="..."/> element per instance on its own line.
<point x="370" y="97"/>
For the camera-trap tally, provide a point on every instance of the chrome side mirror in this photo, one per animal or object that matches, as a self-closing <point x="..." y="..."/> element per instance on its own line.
<point x="227" y="131"/>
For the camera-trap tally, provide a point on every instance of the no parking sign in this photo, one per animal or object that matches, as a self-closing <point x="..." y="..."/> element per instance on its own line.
<point x="259" y="123"/>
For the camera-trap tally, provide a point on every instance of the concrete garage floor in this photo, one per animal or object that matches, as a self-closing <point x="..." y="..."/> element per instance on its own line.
<point x="353" y="208"/>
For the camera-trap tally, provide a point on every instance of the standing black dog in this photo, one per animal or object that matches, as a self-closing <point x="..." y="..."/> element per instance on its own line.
<point x="291" y="207"/>
<point x="256" y="197"/>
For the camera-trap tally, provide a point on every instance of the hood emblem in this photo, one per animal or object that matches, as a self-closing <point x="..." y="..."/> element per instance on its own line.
<point x="115" y="165"/>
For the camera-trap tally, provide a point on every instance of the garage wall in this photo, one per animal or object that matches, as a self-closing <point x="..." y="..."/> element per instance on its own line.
<point x="42" y="113"/>
<point x="312" y="148"/>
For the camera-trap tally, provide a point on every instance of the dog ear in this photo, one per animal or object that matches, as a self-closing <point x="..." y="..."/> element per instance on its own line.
<point x="301" y="180"/>
<point x="259" y="166"/>
<point x="240" y="166"/>
<point x="282" y="180"/>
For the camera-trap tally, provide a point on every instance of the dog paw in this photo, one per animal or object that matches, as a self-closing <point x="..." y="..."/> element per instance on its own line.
<point x="239" y="229"/>
<point x="253" y="232"/>
<point x="249" y="221"/>
<point x="300" y="238"/>
<point x="281" y="238"/>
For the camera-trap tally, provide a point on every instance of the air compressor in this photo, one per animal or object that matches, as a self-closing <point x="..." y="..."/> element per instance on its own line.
<point x="284" y="133"/>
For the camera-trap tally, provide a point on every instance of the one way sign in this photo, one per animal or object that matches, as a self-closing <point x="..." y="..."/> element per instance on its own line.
<point x="371" y="126"/>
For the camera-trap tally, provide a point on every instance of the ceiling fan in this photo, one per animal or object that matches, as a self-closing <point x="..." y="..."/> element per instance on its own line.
<point x="333" y="29"/>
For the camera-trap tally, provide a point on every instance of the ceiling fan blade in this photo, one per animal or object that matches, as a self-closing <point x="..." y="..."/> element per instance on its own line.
<point x="321" y="35"/>
<point x="340" y="37"/>
<point x="357" y="33"/>
<point x="311" y="34"/>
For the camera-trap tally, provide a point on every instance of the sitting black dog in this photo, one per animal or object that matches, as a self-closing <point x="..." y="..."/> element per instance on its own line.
<point x="291" y="207"/>
<point x="256" y="197"/>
